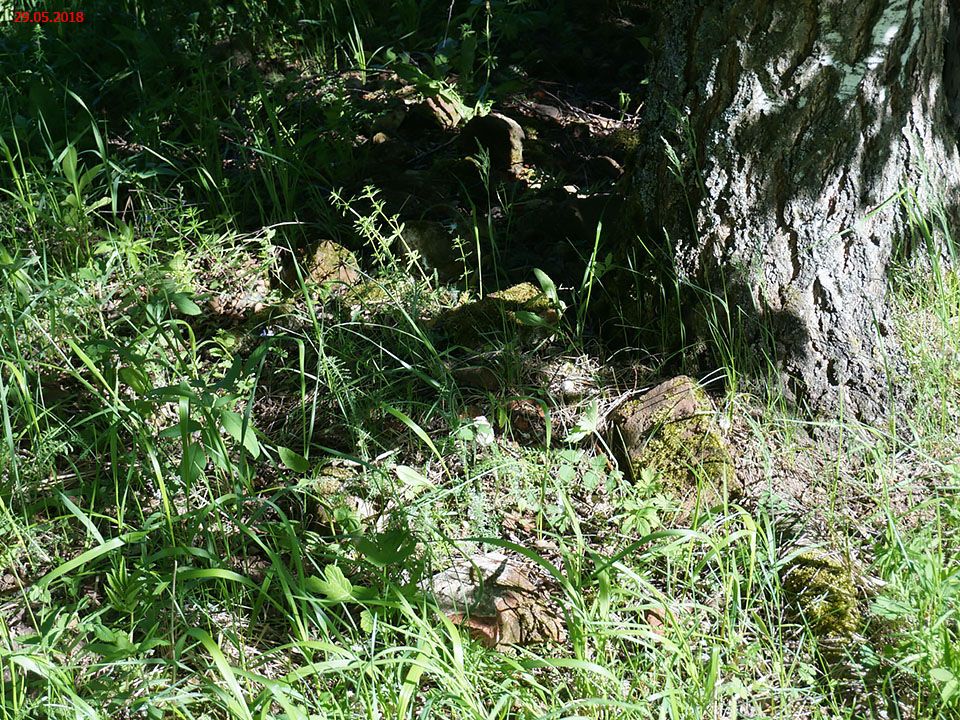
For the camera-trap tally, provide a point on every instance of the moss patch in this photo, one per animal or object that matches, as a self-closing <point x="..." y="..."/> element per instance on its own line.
<point x="518" y="309"/>
<point x="821" y="587"/>
<point x="367" y="300"/>
<point x="672" y="430"/>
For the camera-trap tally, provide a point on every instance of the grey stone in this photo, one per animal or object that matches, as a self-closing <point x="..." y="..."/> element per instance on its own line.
<point x="501" y="136"/>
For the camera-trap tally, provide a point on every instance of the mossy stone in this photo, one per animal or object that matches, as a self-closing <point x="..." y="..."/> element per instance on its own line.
<point x="622" y="142"/>
<point x="473" y="324"/>
<point x="672" y="430"/>
<point x="367" y="298"/>
<point x="326" y="263"/>
<point x="437" y="248"/>
<point x="822" y="589"/>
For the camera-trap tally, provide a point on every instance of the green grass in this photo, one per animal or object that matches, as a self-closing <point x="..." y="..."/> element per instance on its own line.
<point x="232" y="515"/>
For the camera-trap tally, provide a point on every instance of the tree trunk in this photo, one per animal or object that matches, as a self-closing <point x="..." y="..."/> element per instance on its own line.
<point x="777" y="143"/>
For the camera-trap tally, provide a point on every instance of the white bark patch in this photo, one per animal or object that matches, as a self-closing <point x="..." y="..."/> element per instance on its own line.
<point x="888" y="28"/>
<point x="753" y="103"/>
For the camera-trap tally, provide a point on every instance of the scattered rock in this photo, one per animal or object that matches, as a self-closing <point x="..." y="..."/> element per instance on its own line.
<point x="446" y="112"/>
<point x="672" y="430"/>
<point x="478" y="376"/>
<point x="522" y="308"/>
<point x="249" y="297"/>
<point x="602" y="167"/>
<point x="570" y="379"/>
<point x="8" y="582"/>
<point x="327" y="264"/>
<point x="239" y="306"/>
<point x="659" y="619"/>
<point x="501" y="136"/>
<point x="437" y="247"/>
<point x="499" y="601"/>
<point x="391" y="120"/>
<point x="546" y="113"/>
<point x="432" y="114"/>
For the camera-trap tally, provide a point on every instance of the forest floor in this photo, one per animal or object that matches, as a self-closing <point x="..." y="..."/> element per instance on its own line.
<point x="325" y="393"/>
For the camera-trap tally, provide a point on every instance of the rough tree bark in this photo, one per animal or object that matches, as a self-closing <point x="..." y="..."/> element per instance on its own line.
<point x="794" y="126"/>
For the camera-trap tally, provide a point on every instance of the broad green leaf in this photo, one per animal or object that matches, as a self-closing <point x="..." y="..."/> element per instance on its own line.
<point x="948" y="682"/>
<point x="233" y="424"/>
<point x="586" y="425"/>
<point x="193" y="462"/>
<point x="135" y="378"/>
<point x="184" y="304"/>
<point x="547" y="285"/>
<point x="213" y="574"/>
<point x="175" y="431"/>
<point x="941" y="675"/>
<point x="81" y="560"/>
<point x="96" y="204"/>
<point x="90" y="175"/>
<point x="173" y="392"/>
<point x="293" y="461"/>
<point x="531" y="319"/>
<point x="69" y="164"/>
<point x="412" y="478"/>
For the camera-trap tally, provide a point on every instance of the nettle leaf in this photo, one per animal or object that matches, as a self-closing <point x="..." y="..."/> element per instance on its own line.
<point x="566" y="473"/>
<point x="334" y="584"/>
<point x="293" y="461"/>
<point x="586" y="425"/>
<point x="233" y="424"/>
<point x="388" y="548"/>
